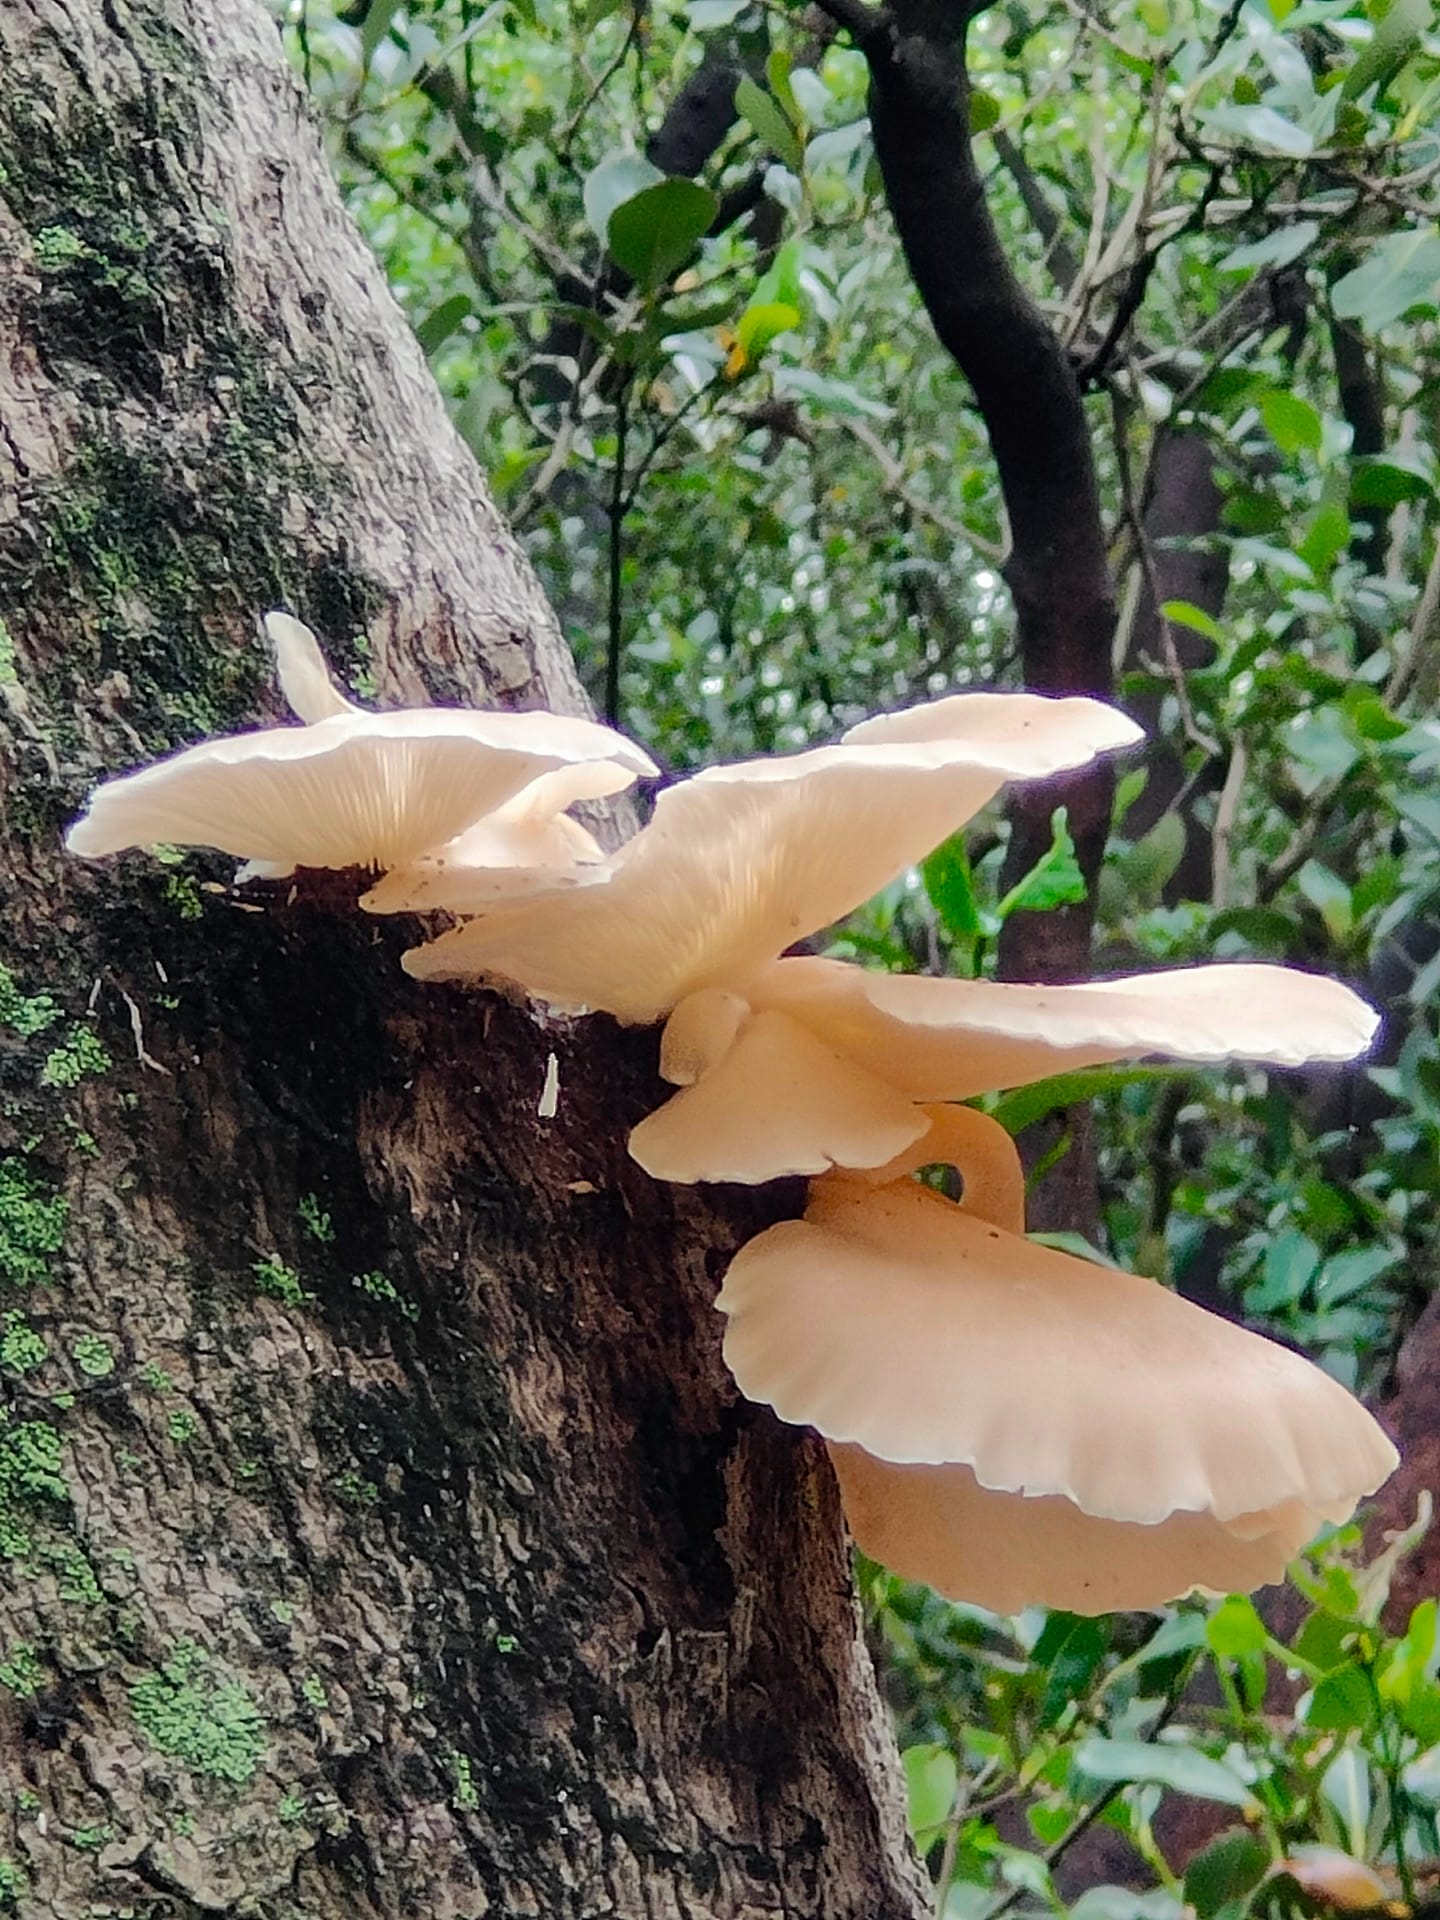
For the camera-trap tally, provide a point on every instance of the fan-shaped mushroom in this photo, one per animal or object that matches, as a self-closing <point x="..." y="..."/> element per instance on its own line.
<point x="348" y="788"/>
<point x="741" y="861"/>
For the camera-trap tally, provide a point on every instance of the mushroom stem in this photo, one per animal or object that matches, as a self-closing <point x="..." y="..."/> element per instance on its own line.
<point x="979" y="1149"/>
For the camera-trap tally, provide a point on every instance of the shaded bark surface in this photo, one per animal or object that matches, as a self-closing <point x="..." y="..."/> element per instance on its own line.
<point x="434" y="1568"/>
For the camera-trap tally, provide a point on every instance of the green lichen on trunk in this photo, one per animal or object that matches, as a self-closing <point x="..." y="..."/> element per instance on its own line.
<point x="172" y="523"/>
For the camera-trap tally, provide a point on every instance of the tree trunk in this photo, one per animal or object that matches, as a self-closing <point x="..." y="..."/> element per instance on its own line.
<point x="382" y="1535"/>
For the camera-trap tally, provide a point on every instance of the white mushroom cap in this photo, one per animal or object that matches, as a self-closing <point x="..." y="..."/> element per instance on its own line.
<point x="892" y="1318"/>
<point x="951" y="1039"/>
<point x="902" y="1035"/>
<point x="1006" y="1552"/>
<point x="529" y="845"/>
<point x="350" y="789"/>
<point x="741" y="861"/>
<point x="782" y="1103"/>
<point x="998" y="723"/>
<point x="304" y="677"/>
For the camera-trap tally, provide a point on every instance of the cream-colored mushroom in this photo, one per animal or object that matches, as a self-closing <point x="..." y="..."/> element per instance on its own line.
<point x="529" y="845"/>
<point x="951" y="1039"/>
<point x="894" y="1319"/>
<point x="741" y="861"/>
<point x="1007" y="1551"/>
<point x="926" y="1039"/>
<point x="784" y="1104"/>
<point x="1124" y="1445"/>
<point x="350" y="788"/>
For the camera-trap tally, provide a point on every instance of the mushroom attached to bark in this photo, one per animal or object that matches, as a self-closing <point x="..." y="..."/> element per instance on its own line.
<point x="1030" y="1387"/>
<point x="901" y="1037"/>
<point x="530" y="845"/>
<point x="741" y="861"/>
<point x="348" y="788"/>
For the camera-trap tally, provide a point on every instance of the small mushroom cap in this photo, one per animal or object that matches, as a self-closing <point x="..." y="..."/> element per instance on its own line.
<point x="1007" y="1552"/>
<point x="305" y="679"/>
<point x="526" y="846"/>
<point x="927" y="1040"/>
<point x="741" y="861"/>
<point x="359" y="789"/>
<point x="499" y="859"/>
<point x="699" y="1033"/>
<point x="952" y="1039"/>
<point x="1028" y="728"/>
<point x="892" y="1318"/>
<point x="781" y="1103"/>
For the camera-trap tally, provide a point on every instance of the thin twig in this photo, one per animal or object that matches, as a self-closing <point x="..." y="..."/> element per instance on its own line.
<point x="563" y="140"/>
<point x="563" y="442"/>
<point x="1174" y="667"/>
<point x="1227" y="808"/>
<point x="895" y="480"/>
<point x="614" y="636"/>
<point x="1418" y="667"/>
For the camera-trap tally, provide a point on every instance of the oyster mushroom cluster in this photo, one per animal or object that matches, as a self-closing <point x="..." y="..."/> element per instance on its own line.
<point x="1012" y="1424"/>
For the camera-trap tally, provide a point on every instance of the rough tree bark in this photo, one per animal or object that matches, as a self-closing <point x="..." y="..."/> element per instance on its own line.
<point x="433" y="1568"/>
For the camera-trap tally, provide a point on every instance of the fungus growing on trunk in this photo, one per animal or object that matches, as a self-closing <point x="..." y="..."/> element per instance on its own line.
<point x="347" y="788"/>
<point x="741" y="861"/>
<point x="894" y="1037"/>
<point x="1017" y="1426"/>
<point x="1008" y="1422"/>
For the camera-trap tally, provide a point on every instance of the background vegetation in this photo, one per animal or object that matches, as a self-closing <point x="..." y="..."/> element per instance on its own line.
<point x="647" y="250"/>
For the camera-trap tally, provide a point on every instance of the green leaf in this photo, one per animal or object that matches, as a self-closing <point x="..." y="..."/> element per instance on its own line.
<point x="1183" y="1769"/>
<point x="377" y="25"/>
<point x="761" y="324"/>
<point x="780" y="282"/>
<point x="438" y="325"/>
<point x="1384" y="480"/>
<point x="1292" y="423"/>
<point x="1401" y="271"/>
<point x="1292" y="1260"/>
<point x="1399" y="25"/>
<point x="656" y="232"/>
<point x="1343" y="1702"/>
<point x="705" y="14"/>
<point x="1346" y="1274"/>
<point x="769" y="123"/>
<point x="1227" y="1870"/>
<point x="1181" y="614"/>
<point x="931" y="1781"/>
<point x="777" y="73"/>
<point x="1069" y="1651"/>
<point x="984" y="110"/>
<point x="1145" y="869"/>
<point x="1261" y="128"/>
<point x="1330" y="897"/>
<point x="1026" y="1105"/>
<point x="1054" y="881"/>
<point x="1277" y="249"/>
<point x="950" y="889"/>
<point x="1235" y="1629"/>
<point x="618" y="178"/>
<point x="1328" y="533"/>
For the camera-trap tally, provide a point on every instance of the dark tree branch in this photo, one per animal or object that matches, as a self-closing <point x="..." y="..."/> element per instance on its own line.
<point x="1362" y="401"/>
<point x="1060" y="257"/>
<point x="869" y="27"/>
<point x="1057" y="572"/>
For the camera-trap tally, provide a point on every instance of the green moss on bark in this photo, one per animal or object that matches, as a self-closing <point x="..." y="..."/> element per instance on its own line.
<point x="172" y="524"/>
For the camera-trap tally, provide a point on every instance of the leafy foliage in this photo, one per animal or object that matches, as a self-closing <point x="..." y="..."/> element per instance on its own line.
<point x="683" y="343"/>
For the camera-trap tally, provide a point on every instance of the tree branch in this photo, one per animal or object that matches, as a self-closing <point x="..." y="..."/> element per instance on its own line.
<point x="1024" y="385"/>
